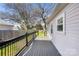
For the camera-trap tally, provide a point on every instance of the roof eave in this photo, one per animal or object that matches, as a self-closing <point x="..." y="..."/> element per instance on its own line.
<point x="56" y="10"/>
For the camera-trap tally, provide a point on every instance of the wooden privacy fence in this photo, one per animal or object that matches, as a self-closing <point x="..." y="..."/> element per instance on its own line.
<point x="8" y="34"/>
<point x="13" y="46"/>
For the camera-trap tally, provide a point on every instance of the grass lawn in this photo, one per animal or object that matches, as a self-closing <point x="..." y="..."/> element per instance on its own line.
<point x="41" y="34"/>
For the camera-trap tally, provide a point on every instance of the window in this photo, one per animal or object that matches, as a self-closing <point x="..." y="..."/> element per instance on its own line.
<point x="60" y="24"/>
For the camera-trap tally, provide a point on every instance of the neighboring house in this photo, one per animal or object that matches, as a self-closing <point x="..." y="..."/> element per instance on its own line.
<point x="63" y="28"/>
<point x="6" y="27"/>
<point x="6" y="24"/>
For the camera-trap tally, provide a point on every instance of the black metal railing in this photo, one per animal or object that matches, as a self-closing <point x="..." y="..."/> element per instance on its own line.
<point x="14" y="46"/>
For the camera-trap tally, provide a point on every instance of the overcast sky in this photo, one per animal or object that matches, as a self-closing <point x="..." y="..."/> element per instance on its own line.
<point x="45" y="5"/>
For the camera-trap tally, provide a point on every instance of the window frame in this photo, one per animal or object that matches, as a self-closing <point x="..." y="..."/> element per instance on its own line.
<point x="63" y="24"/>
<point x="60" y="23"/>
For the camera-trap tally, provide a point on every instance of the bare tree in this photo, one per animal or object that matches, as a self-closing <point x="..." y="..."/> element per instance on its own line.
<point x="21" y="12"/>
<point x="42" y="11"/>
<point x="27" y="13"/>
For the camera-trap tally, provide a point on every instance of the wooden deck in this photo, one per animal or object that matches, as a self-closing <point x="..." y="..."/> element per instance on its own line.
<point x="41" y="48"/>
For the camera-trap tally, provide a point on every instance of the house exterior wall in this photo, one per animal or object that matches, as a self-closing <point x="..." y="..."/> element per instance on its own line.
<point x="66" y="42"/>
<point x="6" y="27"/>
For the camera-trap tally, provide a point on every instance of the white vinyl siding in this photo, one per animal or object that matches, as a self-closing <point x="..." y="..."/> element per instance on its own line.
<point x="68" y="43"/>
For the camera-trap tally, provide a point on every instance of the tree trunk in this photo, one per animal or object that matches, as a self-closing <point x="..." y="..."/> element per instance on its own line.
<point x="44" y="23"/>
<point x="45" y="27"/>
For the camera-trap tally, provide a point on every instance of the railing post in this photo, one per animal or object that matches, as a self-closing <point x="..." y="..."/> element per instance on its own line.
<point x="26" y="39"/>
<point x="1" y="50"/>
<point x="5" y="49"/>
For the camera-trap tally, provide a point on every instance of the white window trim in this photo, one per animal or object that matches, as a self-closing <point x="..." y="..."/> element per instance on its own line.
<point x="61" y="15"/>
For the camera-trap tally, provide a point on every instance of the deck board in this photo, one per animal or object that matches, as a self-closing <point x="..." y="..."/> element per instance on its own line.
<point x="42" y="48"/>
